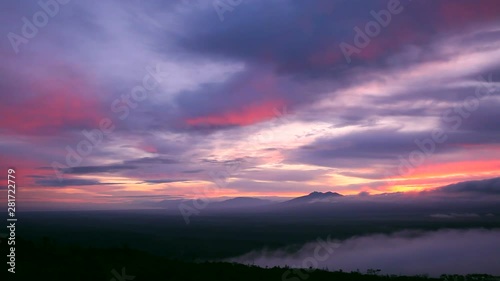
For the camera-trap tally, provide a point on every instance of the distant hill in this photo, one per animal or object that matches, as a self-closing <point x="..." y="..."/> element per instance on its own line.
<point x="241" y="202"/>
<point x="315" y="197"/>
<point x="486" y="187"/>
<point x="169" y="203"/>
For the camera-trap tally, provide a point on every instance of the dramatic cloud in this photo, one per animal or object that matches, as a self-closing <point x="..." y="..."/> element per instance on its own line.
<point x="68" y="182"/>
<point x="263" y="100"/>
<point x="98" y="169"/>
<point x="163" y="181"/>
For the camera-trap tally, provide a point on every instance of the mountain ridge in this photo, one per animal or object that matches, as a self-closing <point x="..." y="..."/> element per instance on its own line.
<point x="315" y="197"/>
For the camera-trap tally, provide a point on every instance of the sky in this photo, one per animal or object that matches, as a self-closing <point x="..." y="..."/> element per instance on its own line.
<point x="118" y="102"/>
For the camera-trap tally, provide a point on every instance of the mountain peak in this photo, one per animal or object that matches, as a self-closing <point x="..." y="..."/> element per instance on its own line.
<point x="324" y="194"/>
<point x="315" y="196"/>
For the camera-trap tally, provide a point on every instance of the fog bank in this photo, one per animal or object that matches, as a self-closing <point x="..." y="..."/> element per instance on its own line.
<point x="406" y="253"/>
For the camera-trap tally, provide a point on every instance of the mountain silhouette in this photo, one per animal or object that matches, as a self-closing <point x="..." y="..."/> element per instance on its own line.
<point x="485" y="187"/>
<point x="315" y="197"/>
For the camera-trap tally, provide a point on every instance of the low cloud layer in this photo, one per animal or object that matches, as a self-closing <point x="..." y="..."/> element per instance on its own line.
<point x="409" y="253"/>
